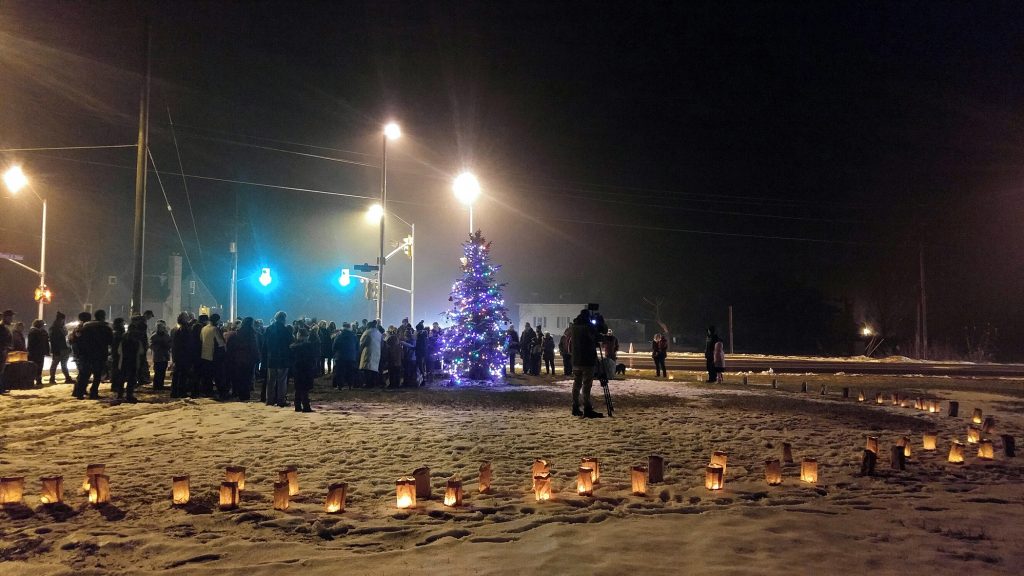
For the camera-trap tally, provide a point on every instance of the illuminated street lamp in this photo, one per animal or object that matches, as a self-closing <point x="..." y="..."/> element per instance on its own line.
<point x="867" y="332"/>
<point x="375" y="214"/>
<point x="467" y="190"/>
<point x="391" y="132"/>
<point x="15" y="180"/>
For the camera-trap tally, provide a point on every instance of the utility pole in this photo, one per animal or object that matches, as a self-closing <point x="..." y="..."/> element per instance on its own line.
<point x="140" y="185"/>
<point x="384" y="207"/>
<point x="924" y="305"/>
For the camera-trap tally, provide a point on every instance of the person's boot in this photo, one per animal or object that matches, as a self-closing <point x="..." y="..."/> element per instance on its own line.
<point x="591" y="413"/>
<point x="576" y="410"/>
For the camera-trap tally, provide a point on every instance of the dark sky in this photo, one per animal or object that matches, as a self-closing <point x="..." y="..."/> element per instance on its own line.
<point x="705" y="153"/>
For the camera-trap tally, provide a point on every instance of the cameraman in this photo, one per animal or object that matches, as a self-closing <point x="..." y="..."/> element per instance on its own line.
<point x="583" y="347"/>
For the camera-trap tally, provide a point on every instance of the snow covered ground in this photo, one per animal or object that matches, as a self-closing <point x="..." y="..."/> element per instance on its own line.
<point x="934" y="517"/>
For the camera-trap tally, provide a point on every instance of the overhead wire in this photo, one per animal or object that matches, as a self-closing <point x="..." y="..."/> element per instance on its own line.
<point x="188" y="197"/>
<point x="170" y="210"/>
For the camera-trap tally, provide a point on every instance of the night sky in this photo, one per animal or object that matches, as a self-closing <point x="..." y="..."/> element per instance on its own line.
<point x="784" y="158"/>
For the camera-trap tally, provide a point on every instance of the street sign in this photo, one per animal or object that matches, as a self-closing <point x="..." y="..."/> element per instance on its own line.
<point x="366" y="267"/>
<point x="18" y="257"/>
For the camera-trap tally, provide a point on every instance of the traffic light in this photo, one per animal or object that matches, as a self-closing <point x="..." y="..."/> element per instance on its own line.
<point x="370" y="290"/>
<point x="265" y="278"/>
<point x="345" y="279"/>
<point x="407" y="246"/>
<point x="43" y="294"/>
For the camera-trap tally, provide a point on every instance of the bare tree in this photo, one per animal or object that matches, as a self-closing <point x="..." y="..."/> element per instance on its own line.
<point x="80" y="277"/>
<point x="656" y="307"/>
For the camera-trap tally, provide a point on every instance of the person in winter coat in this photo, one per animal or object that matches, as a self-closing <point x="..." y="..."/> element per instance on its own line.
<point x="709" y="353"/>
<point x="116" y="376"/>
<point x="370" y="354"/>
<point x="305" y="355"/>
<point x="279" y="341"/>
<point x="393" y="345"/>
<point x="59" y="349"/>
<point x="536" y="352"/>
<point x="409" y="372"/>
<point x="5" y="342"/>
<point x="327" y="332"/>
<point x="583" y="346"/>
<point x="132" y="355"/>
<point x="243" y="353"/>
<point x="659" y="351"/>
<point x="181" y="337"/>
<point x="83" y="319"/>
<point x="38" y="347"/>
<point x="563" y="350"/>
<point x="18" y="342"/>
<point x="549" y="353"/>
<point x="94" y="342"/>
<point x="212" y="358"/>
<point x="345" y="350"/>
<point x="512" y="348"/>
<point x="160" y="344"/>
<point x="526" y="340"/>
<point x="422" y="335"/>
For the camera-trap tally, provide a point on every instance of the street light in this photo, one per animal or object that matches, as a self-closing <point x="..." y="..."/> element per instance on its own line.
<point x="467" y="189"/>
<point x="391" y="132"/>
<point x="15" y="180"/>
<point x="374" y="214"/>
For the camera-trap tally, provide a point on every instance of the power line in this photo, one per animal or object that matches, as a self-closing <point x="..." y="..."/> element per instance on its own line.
<point x="68" y="148"/>
<point x="171" y="212"/>
<point x="188" y="198"/>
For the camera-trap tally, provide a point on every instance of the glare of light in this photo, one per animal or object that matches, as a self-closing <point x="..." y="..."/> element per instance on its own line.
<point x="374" y="214"/>
<point x="345" y="279"/>
<point x="392" y="131"/>
<point x="265" y="278"/>
<point x="466" y="188"/>
<point x="15" y="179"/>
<point x="867" y="331"/>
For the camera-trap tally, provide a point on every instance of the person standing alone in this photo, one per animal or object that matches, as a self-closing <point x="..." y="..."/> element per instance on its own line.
<point x="709" y="353"/>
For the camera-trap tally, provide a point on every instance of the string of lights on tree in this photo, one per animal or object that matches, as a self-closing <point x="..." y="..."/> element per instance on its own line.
<point x="473" y="346"/>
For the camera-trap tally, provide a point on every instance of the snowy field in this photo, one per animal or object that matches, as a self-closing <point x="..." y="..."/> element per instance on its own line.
<point x="932" y="518"/>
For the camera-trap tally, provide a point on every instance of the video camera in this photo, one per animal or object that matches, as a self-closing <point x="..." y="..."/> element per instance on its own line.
<point x="596" y="320"/>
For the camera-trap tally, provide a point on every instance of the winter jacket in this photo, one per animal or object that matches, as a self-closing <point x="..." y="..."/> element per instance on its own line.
<point x="59" y="338"/>
<point x="345" y="346"/>
<point x="132" y="350"/>
<point x="160" y="344"/>
<point x="279" y="339"/>
<point x="94" y="341"/>
<point x="709" y="346"/>
<point x="305" y="356"/>
<point x="325" y="342"/>
<point x="181" y="337"/>
<point x="369" y="350"/>
<point x="563" y="342"/>
<point x="511" y="341"/>
<point x="38" y="343"/>
<point x="719" y="354"/>
<point x="659" y="348"/>
<point x="394" y="348"/>
<point x="212" y="340"/>
<point x="18" y="343"/>
<point x="243" y="348"/>
<point x="549" y="347"/>
<point x="526" y="340"/>
<point x="583" y="345"/>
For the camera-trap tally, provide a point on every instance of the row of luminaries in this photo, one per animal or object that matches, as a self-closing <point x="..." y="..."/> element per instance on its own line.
<point x="408" y="489"/>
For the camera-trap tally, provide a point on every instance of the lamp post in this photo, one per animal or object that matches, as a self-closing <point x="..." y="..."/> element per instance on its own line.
<point x="376" y="213"/>
<point x="467" y="189"/>
<point x="391" y="132"/>
<point x="15" y="180"/>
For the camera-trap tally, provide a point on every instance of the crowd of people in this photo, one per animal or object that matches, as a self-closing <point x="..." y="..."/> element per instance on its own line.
<point x="207" y="357"/>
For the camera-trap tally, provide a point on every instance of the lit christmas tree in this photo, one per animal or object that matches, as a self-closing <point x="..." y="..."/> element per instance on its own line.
<point x="473" y="345"/>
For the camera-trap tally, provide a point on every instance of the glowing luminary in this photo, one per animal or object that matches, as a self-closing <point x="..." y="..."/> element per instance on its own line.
<point x="860" y="396"/>
<point x="638" y="480"/>
<point x="986" y="451"/>
<point x="714" y="477"/>
<point x="872" y="444"/>
<point x="585" y="481"/>
<point x="12" y="489"/>
<point x="99" y="489"/>
<point x="973" y="435"/>
<point x="405" y="492"/>
<point x="956" y="452"/>
<point x="180" y="490"/>
<point x="290" y="476"/>
<point x="52" y="490"/>
<point x="92" y="470"/>
<point x="453" y="493"/>
<point x="809" y="471"/>
<point x="542" y="488"/>
<point x="228" y="495"/>
<point x="976" y="416"/>
<point x="335" y="498"/>
<point x="593" y="464"/>
<point x="281" y="493"/>
<point x="539" y="468"/>
<point x="930" y="441"/>
<point x="720" y="459"/>
<point x="773" y="472"/>
<point x="235" y="474"/>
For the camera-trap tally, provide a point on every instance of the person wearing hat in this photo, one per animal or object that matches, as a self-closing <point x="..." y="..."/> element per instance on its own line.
<point x="5" y="342"/>
<point x="38" y="348"/>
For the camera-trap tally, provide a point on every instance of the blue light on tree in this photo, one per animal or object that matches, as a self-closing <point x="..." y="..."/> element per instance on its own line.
<point x="473" y="346"/>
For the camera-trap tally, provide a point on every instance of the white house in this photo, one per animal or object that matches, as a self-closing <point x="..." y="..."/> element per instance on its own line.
<point x="554" y="318"/>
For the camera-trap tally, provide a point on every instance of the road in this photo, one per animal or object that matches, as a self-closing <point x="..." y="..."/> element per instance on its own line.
<point x="739" y="363"/>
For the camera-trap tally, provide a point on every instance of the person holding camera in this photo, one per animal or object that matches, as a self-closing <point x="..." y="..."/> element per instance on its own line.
<point x="583" y="347"/>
